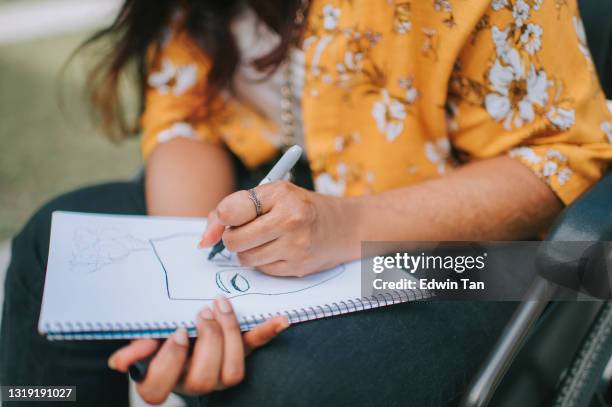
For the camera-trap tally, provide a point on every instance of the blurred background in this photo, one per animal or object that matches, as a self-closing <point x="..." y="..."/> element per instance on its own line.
<point x="49" y="143"/>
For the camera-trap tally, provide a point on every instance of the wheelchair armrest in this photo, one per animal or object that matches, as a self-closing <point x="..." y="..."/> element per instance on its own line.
<point x="589" y="218"/>
<point x="586" y="264"/>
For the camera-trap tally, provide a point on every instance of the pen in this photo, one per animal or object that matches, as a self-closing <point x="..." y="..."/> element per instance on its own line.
<point x="138" y="370"/>
<point x="278" y="172"/>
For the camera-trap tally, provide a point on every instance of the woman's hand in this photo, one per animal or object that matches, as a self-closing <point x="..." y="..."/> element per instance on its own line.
<point x="217" y="361"/>
<point x="299" y="231"/>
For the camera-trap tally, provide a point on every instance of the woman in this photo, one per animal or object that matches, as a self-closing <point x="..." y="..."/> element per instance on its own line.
<point x="442" y="120"/>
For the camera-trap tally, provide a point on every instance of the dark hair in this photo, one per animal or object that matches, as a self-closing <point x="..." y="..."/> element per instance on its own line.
<point x="141" y="23"/>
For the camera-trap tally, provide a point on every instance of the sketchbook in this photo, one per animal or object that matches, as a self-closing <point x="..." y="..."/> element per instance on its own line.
<point x="124" y="276"/>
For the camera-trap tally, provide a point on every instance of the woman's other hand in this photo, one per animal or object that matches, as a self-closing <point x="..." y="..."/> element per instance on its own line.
<point x="217" y="361"/>
<point x="298" y="232"/>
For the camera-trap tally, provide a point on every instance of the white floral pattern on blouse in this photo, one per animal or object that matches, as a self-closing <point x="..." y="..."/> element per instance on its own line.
<point x="582" y="40"/>
<point x="551" y="165"/>
<point x="515" y="90"/>
<point x="173" y="78"/>
<point x="606" y="127"/>
<point x="532" y="38"/>
<point x="561" y="118"/>
<point x="331" y="15"/>
<point x="438" y="153"/>
<point x="180" y="129"/>
<point x="520" y="89"/>
<point x="401" y="18"/>
<point x="325" y="184"/>
<point x="389" y="114"/>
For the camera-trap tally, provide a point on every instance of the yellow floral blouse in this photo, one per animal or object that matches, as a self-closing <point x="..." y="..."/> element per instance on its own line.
<point x="397" y="92"/>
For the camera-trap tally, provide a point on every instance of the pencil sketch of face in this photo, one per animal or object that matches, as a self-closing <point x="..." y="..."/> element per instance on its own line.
<point x="189" y="275"/>
<point x="93" y="249"/>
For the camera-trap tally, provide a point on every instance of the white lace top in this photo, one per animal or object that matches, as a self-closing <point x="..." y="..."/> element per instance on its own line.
<point x="255" y="39"/>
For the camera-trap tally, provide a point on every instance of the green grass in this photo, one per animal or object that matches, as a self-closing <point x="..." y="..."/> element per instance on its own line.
<point x="47" y="150"/>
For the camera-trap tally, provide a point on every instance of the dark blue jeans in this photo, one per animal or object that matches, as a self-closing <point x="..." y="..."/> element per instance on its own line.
<point x="416" y="354"/>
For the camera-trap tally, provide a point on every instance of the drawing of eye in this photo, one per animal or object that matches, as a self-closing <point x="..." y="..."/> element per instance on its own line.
<point x="237" y="282"/>
<point x="240" y="283"/>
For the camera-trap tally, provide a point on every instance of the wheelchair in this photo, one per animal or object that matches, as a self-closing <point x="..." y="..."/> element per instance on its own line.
<point x="560" y="353"/>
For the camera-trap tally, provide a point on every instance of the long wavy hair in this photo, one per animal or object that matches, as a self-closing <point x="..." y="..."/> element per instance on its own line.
<point x="140" y="24"/>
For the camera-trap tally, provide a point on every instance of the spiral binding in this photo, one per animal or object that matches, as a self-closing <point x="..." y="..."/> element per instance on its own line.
<point x="338" y="308"/>
<point x="162" y="329"/>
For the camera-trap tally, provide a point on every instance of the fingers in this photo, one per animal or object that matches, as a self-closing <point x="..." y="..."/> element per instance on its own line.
<point x="217" y="361"/>
<point x="165" y="369"/>
<point x="237" y="209"/>
<point x="232" y="370"/>
<point x="234" y="210"/>
<point x="256" y="233"/>
<point x="214" y="231"/>
<point x="267" y="253"/>
<point x="264" y="333"/>
<point x="204" y="371"/>
<point x="132" y="353"/>
<point x="218" y="358"/>
<point x="279" y="268"/>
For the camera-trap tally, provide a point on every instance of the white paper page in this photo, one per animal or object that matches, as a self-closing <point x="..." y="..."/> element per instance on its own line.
<point x="137" y="272"/>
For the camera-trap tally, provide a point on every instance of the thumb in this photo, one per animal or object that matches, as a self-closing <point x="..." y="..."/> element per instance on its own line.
<point x="264" y="333"/>
<point x="214" y="231"/>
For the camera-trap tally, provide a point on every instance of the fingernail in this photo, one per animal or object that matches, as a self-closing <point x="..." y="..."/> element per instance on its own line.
<point x="206" y="313"/>
<point x="111" y="362"/>
<point x="224" y="305"/>
<point x="180" y="337"/>
<point x="282" y="326"/>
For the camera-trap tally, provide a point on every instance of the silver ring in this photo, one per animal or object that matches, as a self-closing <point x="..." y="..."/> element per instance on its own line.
<point x="256" y="201"/>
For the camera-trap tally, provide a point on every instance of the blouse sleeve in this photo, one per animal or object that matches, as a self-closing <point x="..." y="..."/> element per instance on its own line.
<point x="524" y="84"/>
<point x="174" y="105"/>
<point x="174" y="93"/>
